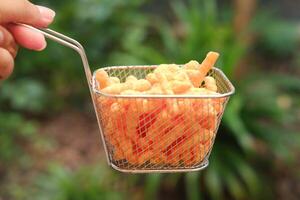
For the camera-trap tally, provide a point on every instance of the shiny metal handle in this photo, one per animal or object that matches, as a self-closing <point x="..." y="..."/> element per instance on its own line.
<point x="68" y="42"/>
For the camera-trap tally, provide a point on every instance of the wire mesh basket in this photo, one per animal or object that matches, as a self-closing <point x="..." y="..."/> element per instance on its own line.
<point x="153" y="133"/>
<point x="159" y="133"/>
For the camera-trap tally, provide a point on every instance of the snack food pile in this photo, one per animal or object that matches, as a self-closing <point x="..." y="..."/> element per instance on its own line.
<point x="161" y="131"/>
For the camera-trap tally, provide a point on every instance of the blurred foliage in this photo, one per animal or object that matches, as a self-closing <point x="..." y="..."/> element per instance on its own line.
<point x="198" y="28"/>
<point x="276" y="38"/>
<point x="14" y="128"/>
<point x="259" y="125"/>
<point x="88" y="183"/>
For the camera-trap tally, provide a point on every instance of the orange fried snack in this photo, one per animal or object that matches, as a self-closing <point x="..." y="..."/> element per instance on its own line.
<point x="161" y="131"/>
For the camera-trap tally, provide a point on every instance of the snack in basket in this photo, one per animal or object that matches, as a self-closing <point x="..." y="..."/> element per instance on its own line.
<point x="161" y="131"/>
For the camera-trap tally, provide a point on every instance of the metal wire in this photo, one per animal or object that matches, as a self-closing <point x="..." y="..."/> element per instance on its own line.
<point x="153" y="133"/>
<point x="159" y="133"/>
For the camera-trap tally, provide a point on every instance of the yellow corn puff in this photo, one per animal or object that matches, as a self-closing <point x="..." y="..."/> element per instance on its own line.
<point x="102" y="78"/>
<point x="192" y="65"/>
<point x="152" y="78"/>
<point x="142" y="85"/>
<point x="180" y="87"/>
<point x="210" y="83"/>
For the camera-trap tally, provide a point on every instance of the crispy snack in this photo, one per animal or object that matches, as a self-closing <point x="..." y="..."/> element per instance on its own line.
<point x="210" y="83"/>
<point x="170" y="131"/>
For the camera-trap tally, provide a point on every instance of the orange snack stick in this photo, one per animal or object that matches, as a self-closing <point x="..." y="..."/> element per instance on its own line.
<point x="145" y="105"/>
<point x="115" y="108"/>
<point x="102" y="78"/>
<point x="168" y="137"/>
<point x="161" y="126"/>
<point x="205" y="114"/>
<point x="132" y="117"/>
<point x="127" y="148"/>
<point x="180" y="150"/>
<point x="139" y="105"/>
<point x="210" y="122"/>
<point x="218" y="104"/>
<point x="124" y="143"/>
<point x="181" y="106"/>
<point x="158" y="158"/>
<point x="164" y="115"/>
<point x="210" y="83"/>
<point x="200" y="154"/>
<point x="205" y="135"/>
<point x="118" y="154"/>
<point x="172" y="107"/>
<point x="207" y="64"/>
<point x="188" y="157"/>
<point x="144" y="156"/>
<point x="154" y="104"/>
<point x="144" y="142"/>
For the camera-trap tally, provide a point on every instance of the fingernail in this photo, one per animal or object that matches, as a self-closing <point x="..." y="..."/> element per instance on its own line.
<point x="47" y="14"/>
<point x="1" y="37"/>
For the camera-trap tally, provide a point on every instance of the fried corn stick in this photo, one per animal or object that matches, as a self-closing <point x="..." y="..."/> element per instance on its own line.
<point x="207" y="64"/>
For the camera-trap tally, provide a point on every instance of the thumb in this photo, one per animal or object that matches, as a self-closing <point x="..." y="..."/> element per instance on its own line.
<point x="23" y="11"/>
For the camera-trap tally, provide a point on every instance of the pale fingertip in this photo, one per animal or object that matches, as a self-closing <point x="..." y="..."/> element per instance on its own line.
<point x="43" y="46"/>
<point x="47" y="14"/>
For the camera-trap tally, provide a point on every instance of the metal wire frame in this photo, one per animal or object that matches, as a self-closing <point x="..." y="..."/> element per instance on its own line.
<point x="198" y="113"/>
<point x="182" y="124"/>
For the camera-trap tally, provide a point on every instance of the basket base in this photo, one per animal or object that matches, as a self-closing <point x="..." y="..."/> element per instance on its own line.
<point x="202" y="166"/>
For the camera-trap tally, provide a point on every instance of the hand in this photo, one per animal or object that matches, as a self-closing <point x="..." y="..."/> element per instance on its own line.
<point x="12" y="35"/>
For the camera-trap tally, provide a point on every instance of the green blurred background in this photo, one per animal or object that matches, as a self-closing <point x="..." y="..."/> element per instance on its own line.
<point x="49" y="140"/>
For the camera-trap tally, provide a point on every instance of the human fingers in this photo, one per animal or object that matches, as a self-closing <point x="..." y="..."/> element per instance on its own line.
<point x="23" y="11"/>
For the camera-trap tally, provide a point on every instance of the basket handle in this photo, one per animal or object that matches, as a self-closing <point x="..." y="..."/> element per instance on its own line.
<point x="68" y="42"/>
<point x="73" y="44"/>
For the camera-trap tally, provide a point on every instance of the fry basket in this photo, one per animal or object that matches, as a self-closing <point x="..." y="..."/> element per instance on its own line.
<point x="153" y="133"/>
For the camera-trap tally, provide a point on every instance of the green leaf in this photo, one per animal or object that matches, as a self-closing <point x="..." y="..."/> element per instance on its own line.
<point x="233" y="185"/>
<point x="235" y="123"/>
<point x="245" y="171"/>
<point x="152" y="184"/>
<point x="213" y="180"/>
<point x="192" y="185"/>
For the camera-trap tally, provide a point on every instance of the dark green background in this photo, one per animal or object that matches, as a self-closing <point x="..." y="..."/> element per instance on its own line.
<point x="256" y="153"/>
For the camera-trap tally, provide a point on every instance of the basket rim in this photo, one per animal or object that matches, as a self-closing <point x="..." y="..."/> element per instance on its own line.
<point x="95" y="90"/>
<point x="201" y="166"/>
